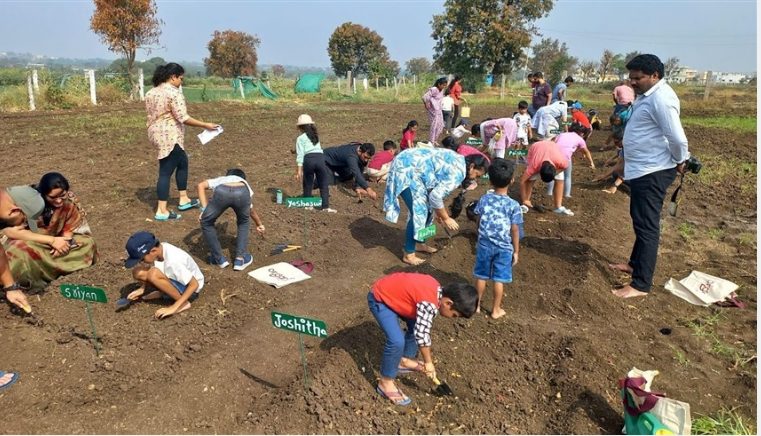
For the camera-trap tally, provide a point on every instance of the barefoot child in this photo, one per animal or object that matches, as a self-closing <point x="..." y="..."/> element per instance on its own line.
<point x="523" y="120"/>
<point x="230" y="191"/>
<point x="416" y="299"/>
<point x="499" y="218"/>
<point x="408" y="135"/>
<point x="168" y="270"/>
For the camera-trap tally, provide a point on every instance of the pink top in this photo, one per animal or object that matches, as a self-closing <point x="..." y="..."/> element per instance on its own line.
<point x="455" y="92"/>
<point x="509" y="130"/>
<point x="569" y="142"/>
<point x="381" y="158"/>
<point x="408" y="140"/>
<point x="167" y="114"/>
<point x="545" y="151"/>
<point x="467" y="150"/>
<point x="624" y="94"/>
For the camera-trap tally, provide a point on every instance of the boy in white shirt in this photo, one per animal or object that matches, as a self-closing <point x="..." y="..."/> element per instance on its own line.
<point x="168" y="270"/>
<point x="230" y="191"/>
<point x="523" y="120"/>
<point x="461" y="130"/>
<point x="447" y="106"/>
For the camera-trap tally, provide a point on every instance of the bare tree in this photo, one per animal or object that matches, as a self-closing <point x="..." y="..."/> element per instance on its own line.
<point x="588" y="68"/>
<point x="606" y="64"/>
<point x="671" y="66"/>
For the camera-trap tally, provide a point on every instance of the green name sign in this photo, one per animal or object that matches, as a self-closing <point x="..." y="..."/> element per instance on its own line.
<point x="304" y="326"/>
<point x="565" y="123"/>
<point x="556" y="131"/>
<point x="303" y="202"/>
<point x="426" y="233"/>
<point x="83" y="293"/>
<point x="517" y="152"/>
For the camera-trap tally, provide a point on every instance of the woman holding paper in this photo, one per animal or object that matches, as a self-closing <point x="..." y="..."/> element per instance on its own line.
<point x="167" y="117"/>
<point x="424" y="177"/>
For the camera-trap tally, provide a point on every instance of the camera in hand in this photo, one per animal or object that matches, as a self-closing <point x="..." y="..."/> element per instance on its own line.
<point x="693" y="165"/>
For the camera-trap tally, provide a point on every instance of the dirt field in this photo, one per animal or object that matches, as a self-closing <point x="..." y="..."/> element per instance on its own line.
<point x="550" y="366"/>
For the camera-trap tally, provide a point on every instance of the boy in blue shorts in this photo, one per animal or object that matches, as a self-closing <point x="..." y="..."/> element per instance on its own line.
<point x="169" y="271"/>
<point x="499" y="219"/>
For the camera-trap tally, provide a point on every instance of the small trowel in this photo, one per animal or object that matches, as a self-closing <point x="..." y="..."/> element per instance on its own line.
<point x="674" y="203"/>
<point x="442" y="388"/>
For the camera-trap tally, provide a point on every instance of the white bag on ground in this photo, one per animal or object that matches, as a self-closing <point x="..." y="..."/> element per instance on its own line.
<point x="672" y="413"/>
<point x="702" y="289"/>
<point x="279" y="274"/>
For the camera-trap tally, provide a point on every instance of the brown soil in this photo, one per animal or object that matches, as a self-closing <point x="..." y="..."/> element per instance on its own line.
<point x="550" y="366"/>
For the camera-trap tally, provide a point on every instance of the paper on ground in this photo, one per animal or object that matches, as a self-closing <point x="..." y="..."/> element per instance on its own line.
<point x="701" y="289"/>
<point x="208" y="135"/>
<point x="279" y="274"/>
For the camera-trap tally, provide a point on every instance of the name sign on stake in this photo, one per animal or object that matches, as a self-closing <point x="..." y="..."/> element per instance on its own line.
<point x="306" y="326"/>
<point x="517" y="152"/>
<point x="84" y="293"/>
<point x="303" y="202"/>
<point x="426" y="233"/>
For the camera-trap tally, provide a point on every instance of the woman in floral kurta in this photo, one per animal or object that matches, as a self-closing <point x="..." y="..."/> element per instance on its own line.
<point x="432" y="100"/>
<point x="416" y="172"/>
<point x="167" y="116"/>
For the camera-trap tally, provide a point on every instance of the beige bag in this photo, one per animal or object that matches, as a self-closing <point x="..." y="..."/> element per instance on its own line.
<point x="702" y="289"/>
<point x="672" y="413"/>
<point x="464" y="108"/>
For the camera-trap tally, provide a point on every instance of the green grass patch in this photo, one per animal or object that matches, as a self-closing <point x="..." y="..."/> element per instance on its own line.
<point x="736" y="124"/>
<point x="723" y="422"/>
<point x="686" y="231"/>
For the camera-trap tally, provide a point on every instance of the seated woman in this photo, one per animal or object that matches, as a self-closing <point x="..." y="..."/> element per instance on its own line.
<point x="63" y="243"/>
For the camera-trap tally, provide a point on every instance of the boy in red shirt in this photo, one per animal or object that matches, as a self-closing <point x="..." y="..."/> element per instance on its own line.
<point x="377" y="169"/>
<point x="545" y="160"/>
<point x="581" y="118"/>
<point x="416" y="299"/>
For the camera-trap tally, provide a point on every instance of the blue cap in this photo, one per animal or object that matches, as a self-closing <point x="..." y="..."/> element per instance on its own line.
<point x="464" y="121"/>
<point x="138" y="246"/>
<point x="576" y="105"/>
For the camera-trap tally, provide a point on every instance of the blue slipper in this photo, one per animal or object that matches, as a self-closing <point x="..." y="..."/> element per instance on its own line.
<point x="191" y="205"/>
<point x="171" y="216"/>
<point x="13" y="379"/>
<point x="399" y="393"/>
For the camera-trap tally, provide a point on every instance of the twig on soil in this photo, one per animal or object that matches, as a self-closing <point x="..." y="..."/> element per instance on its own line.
<point x="569" y="306"/>
<point x="224" y="297"/>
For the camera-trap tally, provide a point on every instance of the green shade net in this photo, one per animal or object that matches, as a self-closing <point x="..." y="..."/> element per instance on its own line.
<point x="309" y="83"/>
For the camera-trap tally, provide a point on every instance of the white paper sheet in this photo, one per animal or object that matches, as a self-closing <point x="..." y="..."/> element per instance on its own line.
<point x="208" y="135"/>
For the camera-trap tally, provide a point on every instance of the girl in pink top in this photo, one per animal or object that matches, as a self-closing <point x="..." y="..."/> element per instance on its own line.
<point x="488" y="130"/>
<point x="569" y="142"/>
<point x="408" y="135"/>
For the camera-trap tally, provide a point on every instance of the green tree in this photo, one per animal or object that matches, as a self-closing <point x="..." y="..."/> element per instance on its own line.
<point x="353" y="47"/>
<point x="232" y="54"/>
<point x="551" y="58"/>
<point x="619" y="66"/>
<point x="379" y="69"/>
<point x="561" y="67"/>
<point x="278" y="70"/>
<point x="418" y="66"/>
<point x="605" y="66"/>
<point x="482" y="36"/>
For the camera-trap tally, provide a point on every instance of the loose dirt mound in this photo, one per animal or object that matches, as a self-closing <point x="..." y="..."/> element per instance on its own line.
<point x="551" y="365"/>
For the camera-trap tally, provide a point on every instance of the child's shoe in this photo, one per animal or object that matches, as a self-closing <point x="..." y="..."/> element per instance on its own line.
<point x="241" y="264"/>
<point x="221" y="262"/>
<point x="563" y="211"/>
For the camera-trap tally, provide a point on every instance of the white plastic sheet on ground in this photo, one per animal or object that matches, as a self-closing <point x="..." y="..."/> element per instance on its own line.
<point x="702" y="289"/>
<point x="279" y="274"/>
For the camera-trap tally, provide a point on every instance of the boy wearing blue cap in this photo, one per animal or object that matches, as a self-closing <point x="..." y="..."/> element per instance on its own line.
<point x="168" y="270"/>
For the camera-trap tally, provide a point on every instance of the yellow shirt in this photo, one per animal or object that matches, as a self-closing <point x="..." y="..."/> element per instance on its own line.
<point x="167" y="114"/>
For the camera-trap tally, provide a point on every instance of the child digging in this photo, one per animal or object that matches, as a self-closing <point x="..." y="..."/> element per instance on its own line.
<point x="499" y="218"/>
<point x="416" y="299"/>
<point x="230" y="191"/>
<point x="168" y="270"/>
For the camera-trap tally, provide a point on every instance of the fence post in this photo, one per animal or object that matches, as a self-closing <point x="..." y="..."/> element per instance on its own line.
<point x="240" y="83"/>
<point x="338" y="80"/>
<point x="414" y="80"/>
<point x="91" y="78"/>
<point x="376" y="83"/>
<point x="141" y="84"/>
<point x="31" y="92"/>
<point x="268" y="84"/>
<point x="350" y="83"/>
<point x="354" y="84"/>
<point x="502" y="89"/>
<point x="35" y="83"/>
<point x="396" y="88"/>
<point x="708" y="86"/>
<point x="386" y="82"/>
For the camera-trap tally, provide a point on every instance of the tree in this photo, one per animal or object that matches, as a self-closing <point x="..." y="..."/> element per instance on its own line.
<point x="383" y="68"/>
<point x="561" y="67"/>
<point x="353" y="47"/>
<point x="278" y="70"/>
<point x="671" y="66"/>
<point x="232" y="54"/>
<point x="480" y="36"/>
<point x="619" y="65"/>
<point x="127" y="26"/>
<point x="606" y="64"/>
<point x="546" y="52"/>
<point x="587" y="68"/>
<point x="418" y="66"/>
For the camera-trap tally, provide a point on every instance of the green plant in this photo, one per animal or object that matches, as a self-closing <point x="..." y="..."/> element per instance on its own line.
<point x="679" y="356"/>
<point x="715" y="233"/>
<point x="723" y="422"/>
<point x="686" y="231"/>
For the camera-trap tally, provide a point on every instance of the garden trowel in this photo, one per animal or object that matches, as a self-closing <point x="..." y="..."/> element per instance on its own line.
<point x="674" y="203"/>
<point x="442" y="388"/>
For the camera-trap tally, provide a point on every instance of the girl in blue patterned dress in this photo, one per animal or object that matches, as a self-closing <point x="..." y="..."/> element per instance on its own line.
<point x="424" y="177"/>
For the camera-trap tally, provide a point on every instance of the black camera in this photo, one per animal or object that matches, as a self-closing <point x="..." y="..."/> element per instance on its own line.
<point x="693" y="165"/>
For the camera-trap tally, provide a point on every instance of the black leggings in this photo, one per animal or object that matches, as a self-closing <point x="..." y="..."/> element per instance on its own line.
<point x="315" y="174"/>
<point x="177" y="160"/>
<point x="455" y="114"/>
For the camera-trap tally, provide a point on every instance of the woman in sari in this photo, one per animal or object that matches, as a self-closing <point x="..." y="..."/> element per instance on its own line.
<point x="432" y="100"/>
<point x="63" y="243"/>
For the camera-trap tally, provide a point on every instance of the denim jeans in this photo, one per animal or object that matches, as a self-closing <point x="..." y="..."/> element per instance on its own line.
<point x="567" y="178"/>
<point x="398" y="344"/>
<point x="225" y="197"/>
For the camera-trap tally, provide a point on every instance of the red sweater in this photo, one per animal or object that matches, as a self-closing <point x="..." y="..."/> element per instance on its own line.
<point x="402" y="292"/>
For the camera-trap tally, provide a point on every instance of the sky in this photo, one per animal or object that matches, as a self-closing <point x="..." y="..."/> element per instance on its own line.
<point x="718" y="35"/>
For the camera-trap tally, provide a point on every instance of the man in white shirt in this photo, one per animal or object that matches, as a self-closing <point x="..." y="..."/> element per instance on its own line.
<point x="656" y="149"/>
